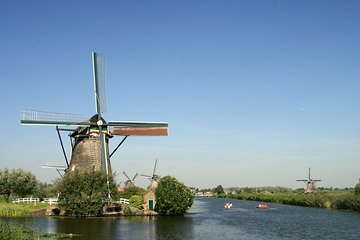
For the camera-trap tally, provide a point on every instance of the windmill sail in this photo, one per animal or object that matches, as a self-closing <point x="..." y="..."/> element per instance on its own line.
<point x="99" y="83"/>
<point x="34" y="117"/>
<point x="128" y="128"/>
<point x="141" y="131"/>
<point x="100" y="103"/>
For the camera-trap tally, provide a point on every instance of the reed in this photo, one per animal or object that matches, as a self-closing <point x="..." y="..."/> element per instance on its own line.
<point x="19" y="209"/>
<point x="328" y="200"/>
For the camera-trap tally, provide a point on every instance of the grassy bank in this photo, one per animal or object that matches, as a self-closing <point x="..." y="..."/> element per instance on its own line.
<point x="328" y="200"/>
<point x="19" y="209"/>
<point x="19" y="232"/>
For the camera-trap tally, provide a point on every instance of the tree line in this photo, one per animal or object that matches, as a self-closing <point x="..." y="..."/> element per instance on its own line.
<point x="20" y="183"/>
<point x="271" y="189"/>
<point x="86" y="193"/>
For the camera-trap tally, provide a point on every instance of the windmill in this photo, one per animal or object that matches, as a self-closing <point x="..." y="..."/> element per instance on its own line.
<point x="90" y="149"/>
<point x="130" y="181"/>
<point x="310" y="183"/>
<point x="154" y="178"/>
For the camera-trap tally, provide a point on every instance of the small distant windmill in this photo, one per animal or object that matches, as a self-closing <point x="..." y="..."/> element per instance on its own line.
<point x="310" y="183"/>
<point x="154" y="178"/>
<point x="130" y="181"/>
<point x="90" y="150"/>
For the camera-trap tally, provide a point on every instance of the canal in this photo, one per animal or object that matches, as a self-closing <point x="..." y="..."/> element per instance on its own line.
<point x="208" y="219"/>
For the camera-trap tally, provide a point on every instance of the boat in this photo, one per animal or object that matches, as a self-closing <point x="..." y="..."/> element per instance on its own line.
<point x="228" y="205"/>
<point x="263" y="206"/>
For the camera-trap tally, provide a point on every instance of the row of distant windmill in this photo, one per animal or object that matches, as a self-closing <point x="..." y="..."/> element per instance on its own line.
<point x="154" y="178"/>
<point x="90" y="137"/>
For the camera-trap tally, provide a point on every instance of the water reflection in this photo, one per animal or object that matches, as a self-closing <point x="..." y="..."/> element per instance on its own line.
<point x="176" y="227"/>
<point x="145" y="228"/>
<point x="88" y="228"/>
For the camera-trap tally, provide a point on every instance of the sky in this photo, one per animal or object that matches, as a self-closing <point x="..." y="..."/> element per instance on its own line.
<point x="255" y="92"/>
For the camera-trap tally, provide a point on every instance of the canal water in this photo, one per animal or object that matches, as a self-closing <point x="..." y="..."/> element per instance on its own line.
<point x="207" y="219"/>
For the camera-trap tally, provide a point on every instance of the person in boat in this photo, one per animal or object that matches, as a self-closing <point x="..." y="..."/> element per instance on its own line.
<point x="228" y="205"/>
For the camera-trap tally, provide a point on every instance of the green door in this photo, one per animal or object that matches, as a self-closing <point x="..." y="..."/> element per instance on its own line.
<point x="151" y="204"/>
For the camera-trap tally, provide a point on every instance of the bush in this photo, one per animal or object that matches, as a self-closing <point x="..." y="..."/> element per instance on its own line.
<point x="85" y="194"/>
<point x="172" y="197"/>
<point x="128" y="212"/>
<point x="357" y="189"/>
<point x="136" y="201"/>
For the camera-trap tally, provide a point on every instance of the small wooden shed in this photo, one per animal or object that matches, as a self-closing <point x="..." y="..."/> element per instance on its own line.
<point x="149" y="200"/>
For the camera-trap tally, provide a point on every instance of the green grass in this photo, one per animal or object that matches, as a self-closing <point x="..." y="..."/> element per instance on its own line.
<point x="328" y="200"/>
<point x="19" y="209"/>
<point x="19" y="232"/>
<point x="13" y="232"/>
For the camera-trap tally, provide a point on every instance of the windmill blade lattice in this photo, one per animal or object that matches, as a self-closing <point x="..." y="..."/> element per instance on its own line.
<point x="153" y="174"/>
<point x="100" y="102"/>
<point x="99" y="83"/>
<point x="34" y="117"/>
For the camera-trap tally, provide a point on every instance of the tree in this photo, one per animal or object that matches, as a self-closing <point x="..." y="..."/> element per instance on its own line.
<point x="5" y="184"/>
<point x="45" y="190"/>
<point x="85" y="194"/>
<point x="24" y="183"/>
<point x="16" y="181"/>
<point x="172" y="197"/>
<point x="218" y="190"/>
<point x="357" y="189"/>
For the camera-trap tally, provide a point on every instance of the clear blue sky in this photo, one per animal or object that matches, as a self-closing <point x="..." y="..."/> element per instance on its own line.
<point x="255" y="92"/>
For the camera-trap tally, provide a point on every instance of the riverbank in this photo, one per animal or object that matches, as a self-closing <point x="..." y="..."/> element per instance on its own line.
<point x="44" y="209"/>
<point x="18" y="210"/>
<point x="327" y="200"/>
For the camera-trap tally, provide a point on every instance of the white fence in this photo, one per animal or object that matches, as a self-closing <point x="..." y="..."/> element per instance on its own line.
<point x="123" y="200"/>
<point x="31" y="200"/>
<point x="54" y="200"/>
